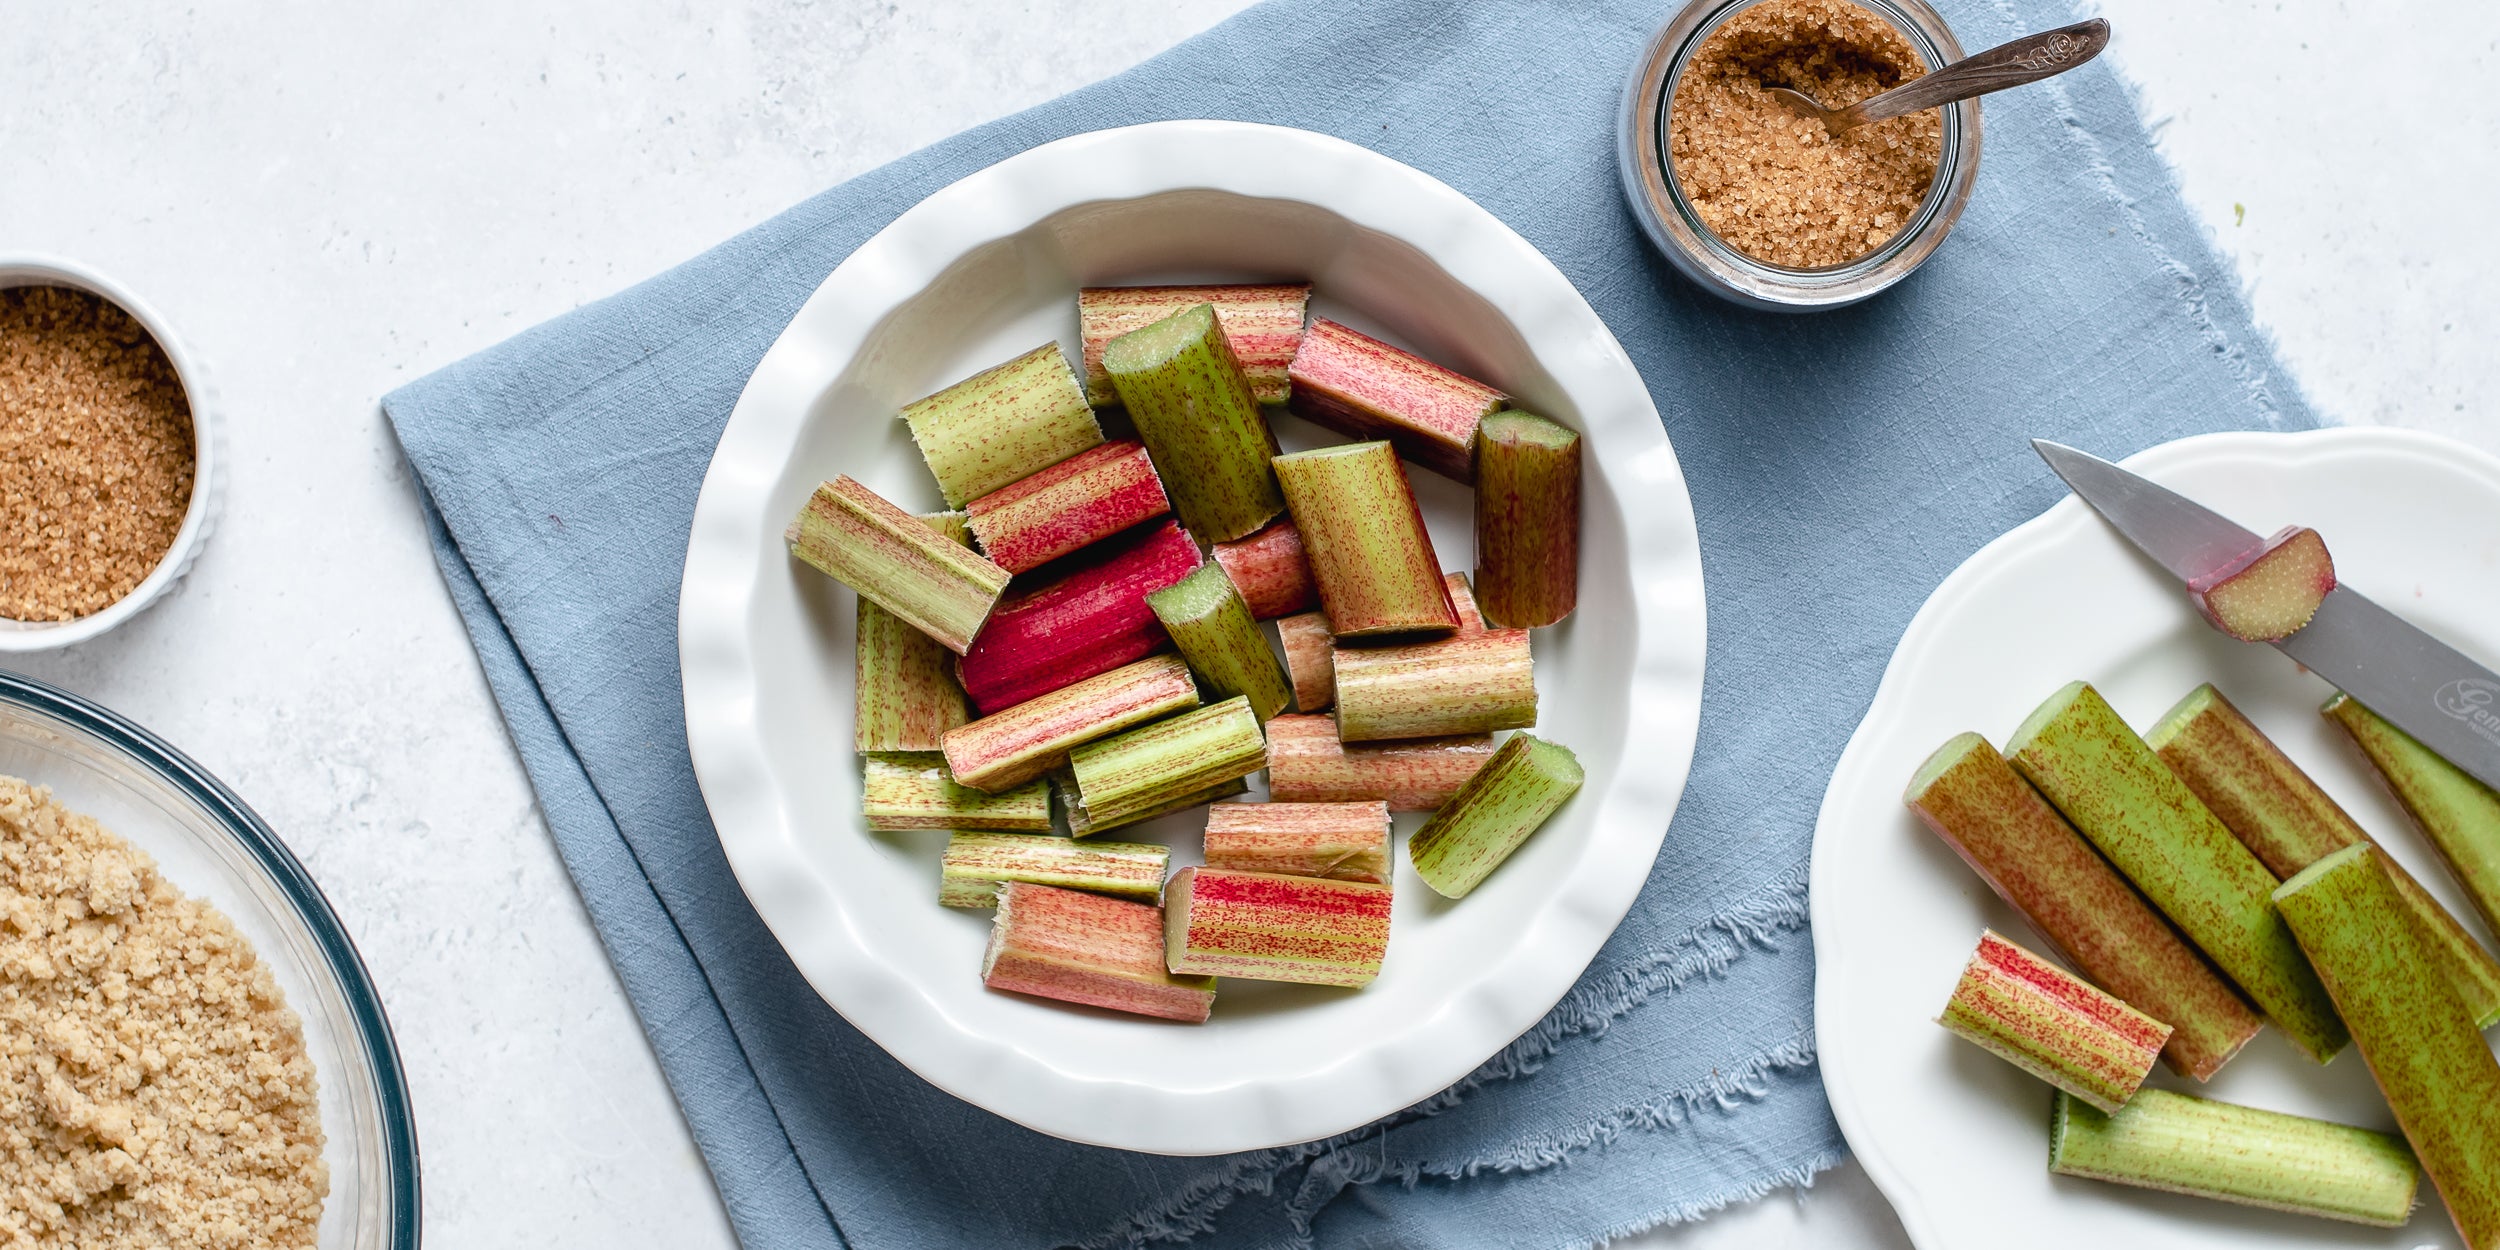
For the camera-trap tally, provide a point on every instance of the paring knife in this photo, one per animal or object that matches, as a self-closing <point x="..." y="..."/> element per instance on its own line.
<point x="2449" y="703"/>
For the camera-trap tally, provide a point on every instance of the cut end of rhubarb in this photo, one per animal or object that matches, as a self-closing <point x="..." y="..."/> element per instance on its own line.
<point x="2271" y="592"/>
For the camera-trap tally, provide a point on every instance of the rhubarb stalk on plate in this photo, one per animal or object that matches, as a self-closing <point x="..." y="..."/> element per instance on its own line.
<point x="1969" y="797"/>
<point x="1269" y="567"/>
<point x="1477" y="680"/>
<point x="1085" y="615"/>
<point x="1364" y="536"/>
<point x="1511" y="797"/>
<point x="2423" y="1048"/>
<point x="2081" y="757"/>
<point x="1264" y="927"/>
<point x="914" y="791"/>
<point x="905" y="696"/>
<point x="1211" y="625"/>
<point x="2460" y="815"/>
<point x="1002" y="423"/>
<point x="1306" y="763"/>
<point x="1310" y="659"/>
<point x="1186" y="393"/>
<point x="2186" y="1145"/>
<point x="2052" y="1024"/>
<point x="1364" y="388"/>
<point x="1009" y="748"/>
<point x="1263" y="323"/>
<point x="1141" y="772"/>
<point x="1079" y="501"/>
<point x="1341" y="841"/>
<point x="2279" y="813"/>
<point x="977" y="864"/>
<point x="1086" y="948"/>
<point x="1527" y="519"/>
<point x="852" y="535"/>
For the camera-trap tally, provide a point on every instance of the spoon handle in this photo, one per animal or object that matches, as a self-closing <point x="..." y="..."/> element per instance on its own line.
<point x="2028" y="59"/>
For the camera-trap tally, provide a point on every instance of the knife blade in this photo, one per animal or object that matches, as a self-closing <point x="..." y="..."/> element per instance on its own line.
<point x="2427" y="688"/>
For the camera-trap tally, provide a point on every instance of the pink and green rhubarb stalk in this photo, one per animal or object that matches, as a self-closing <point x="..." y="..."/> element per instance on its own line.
<point x="2279" y="813"/>
<point x="2085" y="760"/>
<point x="1186" y="393"/>
<point x="1365" y="389"/>
<point x="1002" y="423"/>
<point x="1310" y="659"/>
<point x="1364" y="537"/>
<point x="1968" y="796"/>
<point x="2460" y="815"/>
<point x="904" y="693"/>
<point x="1090" y="949"/>
<point x="914" y="791"/>
<point x="1340" y="841"/>
<point x="1070" y="505"/>
<point x="1477" y="680"/>
<point x="1007" y="749"/>
<point x="2181" y="1144"/>
<point x="1211" y="625"/>
<point x="977" y="864"/>
<point x="893" y="559"/>
<point x="1089" y="617"/>
<point x="1262" y="323"/>
<point x="2270" y="591"/>
<point x="1144" y="772"/>
<point x="1527" y="519"/>
<point x="2052" y="1024"/>
<point x="1512" y="796"/>
<point x="1307" y="763"/>
<point x="1269" y="567"/>
<point x="2422" y="1046"/>
<point x="1265" y="927"/>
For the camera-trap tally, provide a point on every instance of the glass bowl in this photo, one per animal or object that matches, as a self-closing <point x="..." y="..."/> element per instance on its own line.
<point x="211" y="847"/>
<point x="1671" y="223"/>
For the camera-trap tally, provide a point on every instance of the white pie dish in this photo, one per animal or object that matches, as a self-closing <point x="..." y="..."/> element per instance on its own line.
<point x="1955" y="1138"/>
<point x="985" y="269"/>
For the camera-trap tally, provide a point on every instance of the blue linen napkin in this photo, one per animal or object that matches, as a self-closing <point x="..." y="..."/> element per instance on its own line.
<point x="1840" y="465"/>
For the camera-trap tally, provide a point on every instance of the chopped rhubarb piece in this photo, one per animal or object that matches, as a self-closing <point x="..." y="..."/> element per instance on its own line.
<point x="2052" y="1024"/>
<point x="1363" y="388"/>
<point x="1341" y="841"/>
<point x="1185" y="392"/>
<point x="2279" y="813"/>
<point x="1527" y="519"/>
<point x="905" y="696"/>
<point x="1086" y="948"/>
<point x="1511" y="797"/>
<point x="852" y="535"/>
<point x="2081" y="757"/>
<point x="2270" y="592"/>
<point x="1081" y="825"/>
<point x="1002" y="423"/>
<point x="2460" y="815"/>
<point x="1306" y="763"/>
<point x="2424" y="1050"/>
<point x="1262" y="927"/>
<point x="1009" y="748"/>
<point x="1080" y="500"/>
<point x="1269" y="568"/>
<point x="2185" y="1145"/>
<point x="1212" y="627"/>
<point x="1364" y="536"/>
<point x="1262" y="323"/>
<point x="1141" y="772"/>
<point x="976" y="864"/>
<point x="1310" y="651"/>
<point x="1475" y="681"/>
<point x="913" y="791"/>
<point x="1087" y="616"/>
<point x="1971" y="799"/>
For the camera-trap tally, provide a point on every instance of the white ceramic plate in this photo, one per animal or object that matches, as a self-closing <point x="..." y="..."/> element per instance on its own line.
<point x="1955" y="1137"/>
<point x="985" y="269"/>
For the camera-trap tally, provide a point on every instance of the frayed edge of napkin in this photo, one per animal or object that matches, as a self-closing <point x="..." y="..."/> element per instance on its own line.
<point x="1799" y="1177"/>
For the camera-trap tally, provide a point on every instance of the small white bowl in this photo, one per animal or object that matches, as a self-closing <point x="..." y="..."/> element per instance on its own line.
<point x="18" y="270"/>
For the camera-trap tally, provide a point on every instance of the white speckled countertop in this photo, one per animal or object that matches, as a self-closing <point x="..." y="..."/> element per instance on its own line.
<point x="328" y="200"/>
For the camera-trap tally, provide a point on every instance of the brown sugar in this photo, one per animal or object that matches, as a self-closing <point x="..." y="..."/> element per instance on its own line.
<point x="1775" y="185"/>
<point x="95" y="453"/>
<point x="154" y="1090"/>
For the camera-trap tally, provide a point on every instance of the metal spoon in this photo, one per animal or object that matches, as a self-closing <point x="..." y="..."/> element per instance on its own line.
<point x="2028" y="59"/>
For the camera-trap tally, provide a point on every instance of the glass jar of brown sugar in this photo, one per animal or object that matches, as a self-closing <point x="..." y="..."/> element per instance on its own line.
<point x="1760" y="206"/>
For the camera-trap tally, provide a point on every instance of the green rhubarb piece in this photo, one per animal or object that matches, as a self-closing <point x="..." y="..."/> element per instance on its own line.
<point x="2185" y="1145"/>
<point x="905" y="693"/>
<point x="1364" y="537"/>
<point x="2428" y="1057"/>
<point x="1081" y="825"/>
<point x="2279" y="813"/>
<point x="1201" y="424"/>
<point x="1002" y="423"/>
<point x="913" y="790"/>
<point x="1211" y="624"/>
<point x="2460" y="816"/>
<point x="1477" y="680"/>
<point x="1527" y="780"/>
<point x="1971" y="799"/>
<point x="1527" y="519"/>
<point x="2052" y="1024"/>
<point x="1031" y="738"/>
<point x="2085" y="760"/>
<point x="976" y="864"/>
<point x="894" y="559"/>
<point x="1146" y="771"/>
